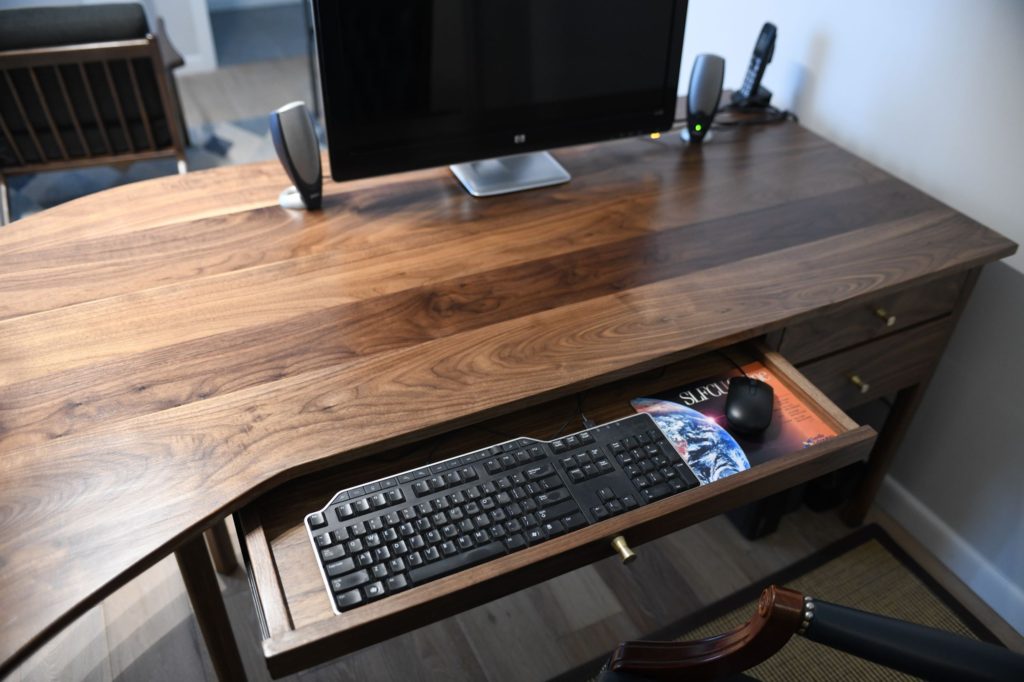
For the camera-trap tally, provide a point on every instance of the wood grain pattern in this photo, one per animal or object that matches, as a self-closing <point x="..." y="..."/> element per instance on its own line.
<point x="887" y="365"/>
<point x="173" y="349"/>
<point x="859" y="321"/>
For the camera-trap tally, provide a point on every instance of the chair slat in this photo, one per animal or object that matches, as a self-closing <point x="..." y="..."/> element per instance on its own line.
<point x="87" y="84"/>
<point x="24" y="116"/>
<point x="142" y="105"/>
<point x="71" y="111"/>
<point x="117" y="105"/>
<point x="47" y="113"/>
<point x="13" y="142"/>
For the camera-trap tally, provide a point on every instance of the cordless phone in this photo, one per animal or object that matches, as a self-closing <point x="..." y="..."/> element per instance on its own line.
<point x="751" y="93"/>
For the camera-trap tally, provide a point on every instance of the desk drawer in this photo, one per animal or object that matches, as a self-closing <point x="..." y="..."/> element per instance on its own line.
<point x="881" y="367"/>
<point x="299" y="626"/>
<point x="868" y="319"/>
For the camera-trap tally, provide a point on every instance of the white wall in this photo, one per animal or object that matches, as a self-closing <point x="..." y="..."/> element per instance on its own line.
<point x="931" y="91"/>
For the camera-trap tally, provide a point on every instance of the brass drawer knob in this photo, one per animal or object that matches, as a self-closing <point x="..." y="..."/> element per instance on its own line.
<point x="860" y="383"/>
<point x="619" y="545"/>
<point x="884" y="316"/>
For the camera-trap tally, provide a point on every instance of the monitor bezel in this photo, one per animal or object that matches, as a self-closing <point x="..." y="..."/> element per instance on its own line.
<point x="472" y="147"/>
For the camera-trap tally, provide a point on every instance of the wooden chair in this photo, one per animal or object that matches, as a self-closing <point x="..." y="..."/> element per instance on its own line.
<point x="781" y="613"/>
<point x="84" y="86"/>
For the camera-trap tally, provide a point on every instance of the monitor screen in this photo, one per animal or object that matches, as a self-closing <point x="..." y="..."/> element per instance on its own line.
<point x="417" y="83"/>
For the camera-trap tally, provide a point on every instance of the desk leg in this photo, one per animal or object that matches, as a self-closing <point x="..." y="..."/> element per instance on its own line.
<point x="208" y="607"/>
<point x="221" y="551"/>
<point x="882" y="455"/>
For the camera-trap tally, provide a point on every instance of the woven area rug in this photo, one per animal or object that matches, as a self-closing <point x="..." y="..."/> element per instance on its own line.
<point x="867" y="571"/>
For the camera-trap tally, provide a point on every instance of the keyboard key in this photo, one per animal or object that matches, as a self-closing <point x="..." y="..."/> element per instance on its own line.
<point x="349" y="581"/>
<point x="535" y="535"/>
<point x="379" y="571"/>
<point x="540" y="471"/>
<point x="361" y="506"/>
<point x="431" y="554"/>
<point x="576" y="475"/>
<point x="374" y="591"/>
<point x="605" y="494"/>
<point x="396" y="583"/>
<point x="553" y="497"/>
<point x="323" y="540"/>
<point x="448" y="548"/>
<point x="629" y="502"/>
<point x="337" y="568"/>
<point x="456" y="562"/>
<point x="421" y="488"/>
<point x="553" y="528"/>
<point x="395" y="496"/>
<point x="415" y="559"/>
<point x="515" y="541"/>
<point x="657" y="491"/>
<point x="364" y="559"/>
<point x="574" y="521"/>
<point x="332" y="553"/>
<point x="396" y="565"/>
<point x="348" y="599"/>
<point x="599" y="512"/>
<point x="317" y="520"/>
<point x="344" y="511"/>
<point x="615" y="507"/>
<point x="340" y="535"/>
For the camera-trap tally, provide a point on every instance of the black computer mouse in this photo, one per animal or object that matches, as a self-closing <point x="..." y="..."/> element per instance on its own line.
<point x="748" y="406"/>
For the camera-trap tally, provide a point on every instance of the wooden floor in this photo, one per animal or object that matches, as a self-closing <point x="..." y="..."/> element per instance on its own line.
<point x="145" y="631"/>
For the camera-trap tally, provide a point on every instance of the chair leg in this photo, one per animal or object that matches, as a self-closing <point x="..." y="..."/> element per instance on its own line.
<point x="219" y="543"/>
<point x="5" y="202"/>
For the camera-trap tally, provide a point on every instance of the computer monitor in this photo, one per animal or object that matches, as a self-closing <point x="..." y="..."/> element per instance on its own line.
<point x="418" y="83"/>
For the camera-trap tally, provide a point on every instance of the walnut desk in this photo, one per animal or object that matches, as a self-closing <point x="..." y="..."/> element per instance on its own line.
<point x="181" y="349"/>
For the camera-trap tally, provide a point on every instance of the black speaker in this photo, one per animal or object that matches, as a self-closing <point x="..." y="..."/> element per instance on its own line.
<point x="295" y="140"/>
<point x="702" y="97"/>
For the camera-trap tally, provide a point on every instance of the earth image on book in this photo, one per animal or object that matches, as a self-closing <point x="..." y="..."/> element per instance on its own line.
<point x="710" y="451"/>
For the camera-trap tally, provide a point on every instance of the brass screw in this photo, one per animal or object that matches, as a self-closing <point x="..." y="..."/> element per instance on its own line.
<point x="619" y="545"/>
<point x="884" y="315"/>
<point x="860" y="383"/>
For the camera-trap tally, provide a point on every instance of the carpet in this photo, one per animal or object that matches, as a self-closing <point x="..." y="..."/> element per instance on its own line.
<point x="866" y="570"/>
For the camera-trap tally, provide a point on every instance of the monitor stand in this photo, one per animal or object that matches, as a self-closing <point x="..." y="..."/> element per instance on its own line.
<point x="510" y="174"/>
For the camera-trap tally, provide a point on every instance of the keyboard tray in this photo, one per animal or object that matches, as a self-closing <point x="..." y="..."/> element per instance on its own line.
<point x="299" y="625"/>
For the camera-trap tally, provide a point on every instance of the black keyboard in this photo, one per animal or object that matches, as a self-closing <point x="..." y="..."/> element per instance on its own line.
<point x="406" y="530"/>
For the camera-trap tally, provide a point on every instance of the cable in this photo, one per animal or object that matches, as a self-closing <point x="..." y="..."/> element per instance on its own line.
<point x="731" y="361"/>
<point x="587" y="422"/>
<point x="772" y="115"/>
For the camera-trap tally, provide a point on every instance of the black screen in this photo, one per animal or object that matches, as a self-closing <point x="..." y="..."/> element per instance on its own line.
<point x="413" y="83"/>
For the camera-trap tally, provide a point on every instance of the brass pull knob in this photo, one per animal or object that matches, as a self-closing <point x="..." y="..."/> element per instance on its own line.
<point x="860" y="383"/>
<point x="620" y="546"/>
<point x="884" y="316"/>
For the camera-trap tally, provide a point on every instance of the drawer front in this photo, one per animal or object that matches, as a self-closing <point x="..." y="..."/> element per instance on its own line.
<point x="869" y="319"/>
<point x="881" y="367"/>
<point x="299" y="626"/>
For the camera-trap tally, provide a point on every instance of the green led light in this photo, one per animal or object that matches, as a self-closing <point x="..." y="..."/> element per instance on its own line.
<point x="698" y="127"/>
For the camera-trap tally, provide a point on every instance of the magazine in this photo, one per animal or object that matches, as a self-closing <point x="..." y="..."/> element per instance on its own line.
<point x="693" y="419"/>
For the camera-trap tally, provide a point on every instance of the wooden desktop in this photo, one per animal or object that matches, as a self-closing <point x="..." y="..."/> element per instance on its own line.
<point x="181" y="349"/>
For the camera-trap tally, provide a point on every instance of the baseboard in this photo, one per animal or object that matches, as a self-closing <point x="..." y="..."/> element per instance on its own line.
<point x="977" y="572"/>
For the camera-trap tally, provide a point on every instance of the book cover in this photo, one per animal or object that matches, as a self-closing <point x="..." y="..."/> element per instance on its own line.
<point x="693" y="419"/>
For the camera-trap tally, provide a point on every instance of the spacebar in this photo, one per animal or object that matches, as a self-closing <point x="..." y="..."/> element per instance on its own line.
<point x="456" y="562"/>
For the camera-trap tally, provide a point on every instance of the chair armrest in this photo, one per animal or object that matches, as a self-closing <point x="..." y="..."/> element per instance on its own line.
<point x="914" y="649"/>
<point x="779" y="615"/>
<point x="172" y="59"/>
